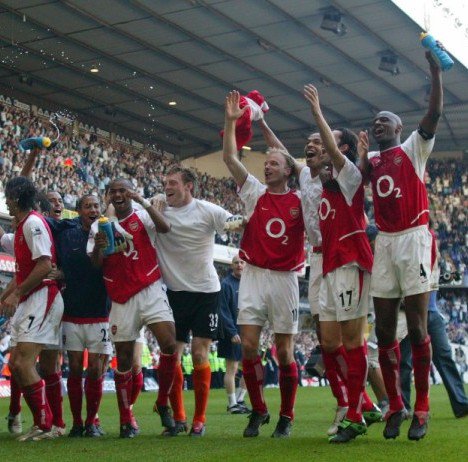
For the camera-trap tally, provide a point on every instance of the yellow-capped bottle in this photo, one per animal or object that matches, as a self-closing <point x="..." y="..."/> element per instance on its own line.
<point x="105" y="226"/>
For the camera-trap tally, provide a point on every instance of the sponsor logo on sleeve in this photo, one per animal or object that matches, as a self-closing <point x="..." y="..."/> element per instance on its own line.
<point x="36" y="231"/>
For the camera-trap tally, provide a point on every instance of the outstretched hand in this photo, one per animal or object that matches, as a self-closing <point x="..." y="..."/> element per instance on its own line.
<point x="232" y="109"/>
<point x="432" y="62"/>
<point x="311" y="95"/>
<point x="363" y="144"/>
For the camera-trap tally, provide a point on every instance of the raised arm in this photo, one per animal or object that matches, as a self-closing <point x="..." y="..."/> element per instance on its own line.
<point x="231" y="114"/>
<point x="271" y="140"/>
<point x="328" y="139"/>
<point x="363" y="151"/>
<point x="29" y="164"/>
<point x="430" y="120"/>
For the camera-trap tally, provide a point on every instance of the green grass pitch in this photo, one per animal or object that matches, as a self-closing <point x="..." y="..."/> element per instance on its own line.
<point x="446" y="441"/>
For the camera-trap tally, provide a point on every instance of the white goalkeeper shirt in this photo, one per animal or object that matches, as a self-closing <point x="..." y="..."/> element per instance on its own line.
<point x="185" y="253"/>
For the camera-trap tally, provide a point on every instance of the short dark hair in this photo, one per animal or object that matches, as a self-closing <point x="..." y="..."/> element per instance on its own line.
<point x="188" y="175"/>
<point x="351" y="139"/>
<point x="79" y="202"/>
<point x="123" y="180"/>
<point x="22" y="189"/>
<point x="43" y="203"/>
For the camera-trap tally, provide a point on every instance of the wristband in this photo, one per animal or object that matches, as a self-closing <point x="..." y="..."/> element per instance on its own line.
<point x="146" y="204"/>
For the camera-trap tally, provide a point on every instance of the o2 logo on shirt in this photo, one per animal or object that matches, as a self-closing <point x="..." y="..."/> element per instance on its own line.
<point x="131" y="252"/>
<point x="386" y="182"/>
<point x="280" y="233"/>
<point x="325" y="209"/>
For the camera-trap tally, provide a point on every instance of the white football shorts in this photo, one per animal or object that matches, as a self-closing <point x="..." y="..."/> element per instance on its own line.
<point x="267" y="295"/>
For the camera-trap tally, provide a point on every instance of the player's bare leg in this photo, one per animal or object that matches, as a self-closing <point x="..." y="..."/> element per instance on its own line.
<point x="50" y="370"/>
<point x="165" y="335"/>
<point x="23" y="367"/>
<point x="386" y="317"/>
<point x="375" y="378"/>
<point x="124" y="386"/>
<point x="230" y="386"/>
<point x="253" y="376"/>
<point x="288" y="380"/>
<point x="240" y="394"/>
<point x="201" y="383"/>
<point x="416" y="319"/>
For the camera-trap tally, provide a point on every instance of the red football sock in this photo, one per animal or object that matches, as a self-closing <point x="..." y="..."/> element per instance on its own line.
<point x="35" y="397"/>
<point x="75" y="396"/>
<point x="93" y="392"/>
<point x="253" y="376"/>
<point x="389" y="359"/>
<point x="201" y="387"/>
<point x="15" y="397"/>
<point x="357" y="376"/>
<point x="336" y="371"/>
<point x="124" y="389"/>
<point x="288" y="382"/>
<point x="137" y="385"/>
<point x="421" y="365"/>
<point x="166" y="372"/>
<point x="367" y="403"/>
<point x="53" y="387"/>
<point x="176" y="395"/>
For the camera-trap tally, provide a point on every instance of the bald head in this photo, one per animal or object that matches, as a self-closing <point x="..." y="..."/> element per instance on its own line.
<point x="386" y="129"/>
<point x="390" y="115"/>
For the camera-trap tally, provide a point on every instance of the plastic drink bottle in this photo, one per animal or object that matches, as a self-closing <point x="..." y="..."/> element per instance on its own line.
<point x="442" y="58"/>
<point x="35" y="142"/>
<point x="105" y="226"/>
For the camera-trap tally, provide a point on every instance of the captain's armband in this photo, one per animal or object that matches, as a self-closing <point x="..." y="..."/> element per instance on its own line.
<point x="424" y="134"/>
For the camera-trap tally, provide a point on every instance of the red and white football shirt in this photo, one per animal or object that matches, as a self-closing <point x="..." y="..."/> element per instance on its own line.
<point x="33" y="239"/>
<point x="274" y="235"/>
<point x="343" y="224"/>
<point x="127" y="273"/>
<point x="398" y="189"/>
<point x="311" y="192"/>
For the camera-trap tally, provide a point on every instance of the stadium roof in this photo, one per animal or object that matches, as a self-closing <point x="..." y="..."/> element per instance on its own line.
<point x="153" y="52"/>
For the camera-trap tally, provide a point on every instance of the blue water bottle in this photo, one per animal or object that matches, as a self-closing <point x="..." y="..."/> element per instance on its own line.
<point x="441" y="57"/>
<point x="35" y="142"/>
<point x="105" y="226"/>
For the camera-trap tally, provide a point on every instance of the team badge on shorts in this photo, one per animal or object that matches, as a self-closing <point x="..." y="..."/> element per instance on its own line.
<point x="398" y="160"/>
<point x="294" y="212"/>
<point x="114" y="329"/>
<point x="134" y="226"/>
